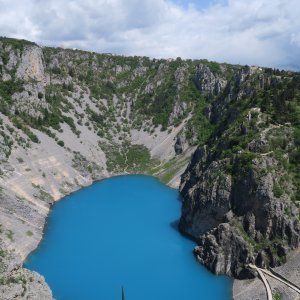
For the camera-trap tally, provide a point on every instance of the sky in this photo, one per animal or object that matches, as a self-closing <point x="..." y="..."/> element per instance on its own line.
<point x="253" y="32"/>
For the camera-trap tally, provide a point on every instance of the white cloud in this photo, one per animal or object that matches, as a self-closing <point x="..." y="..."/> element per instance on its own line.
<point x="259" y="32"/>
<point x="296" y="39"/>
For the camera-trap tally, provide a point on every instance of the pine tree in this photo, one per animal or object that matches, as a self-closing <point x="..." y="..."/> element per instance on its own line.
<point x="123" y="294"/>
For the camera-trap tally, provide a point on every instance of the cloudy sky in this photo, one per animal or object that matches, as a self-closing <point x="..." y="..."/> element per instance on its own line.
<point x="262" y="32"/>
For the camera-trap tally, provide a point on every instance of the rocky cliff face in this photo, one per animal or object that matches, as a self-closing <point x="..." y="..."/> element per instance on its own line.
<point x="240" y="191"/>
<point x="68" y="118"/>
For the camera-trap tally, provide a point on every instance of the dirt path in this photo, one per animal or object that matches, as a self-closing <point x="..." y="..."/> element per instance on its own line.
<point x="286" y="282"/>
<point x="263" y="278"/>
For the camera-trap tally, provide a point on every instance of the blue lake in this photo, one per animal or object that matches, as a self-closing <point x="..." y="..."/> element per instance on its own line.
<point x="122" y="232"/>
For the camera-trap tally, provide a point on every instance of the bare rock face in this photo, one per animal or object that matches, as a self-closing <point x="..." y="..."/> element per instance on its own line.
<point x="19" y="283"/>
<point x="179" y="145"/>
<point x="211" y="196"/>
<point x="233" y="205"/>
<point x="24" y="284"/>
<point x="236" y="219"/>
<point x="208" y="82"/>
<point x="31" y="100"/>
<point x="218" y="250"/>
<point x="31" y="65"/>
<point x="13" y="59"/>
<point x="178" y="112"/>
<point x="181" y="73"/>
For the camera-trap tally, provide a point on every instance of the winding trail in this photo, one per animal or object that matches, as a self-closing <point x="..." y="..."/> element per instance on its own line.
<point x="272" y="274"/>
<point x="263" y="278"/>
<point x="276" y="276"/>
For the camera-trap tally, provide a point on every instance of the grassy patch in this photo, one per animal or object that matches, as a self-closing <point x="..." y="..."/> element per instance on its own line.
<point x="29" y="233"/>
<point x="128" y="157"/>
<point x="278" y="296"/>
<point x="170" y="169"/>
<point x="10" y="235"/>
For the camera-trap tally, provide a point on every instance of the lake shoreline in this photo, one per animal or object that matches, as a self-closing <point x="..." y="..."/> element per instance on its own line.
<point x="189" y="256"/>
<point x="238" y="286"/>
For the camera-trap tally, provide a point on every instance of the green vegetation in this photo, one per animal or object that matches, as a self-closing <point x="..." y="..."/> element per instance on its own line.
<point x="15" y="279"/>
<point x="152" y="88"/>
<point x="159" y="102"/>
<point x="168" y="170"/>
<point x="29" y="233"/>
<point x="213" y="66"/>
<point x="277" y="190"/>
<point x="18" y="123"/>
<point x="199" y="125"/>
<point x="3" y="253"/>
<point x="264" y="124"/>
<point x="10" y="235"/>
<point x="129" y="157"/>
<point x="278" y="296"/>
<point x="61" y="143"/>
<point x="254" y="119"/>
<point x="243" y="163"/>
<point x="262" y="245"/>
<point x="7" y="89"/>
<point x="15" y="43"/>
<point x="44" y="196"/>
<point x="133" y="76"/>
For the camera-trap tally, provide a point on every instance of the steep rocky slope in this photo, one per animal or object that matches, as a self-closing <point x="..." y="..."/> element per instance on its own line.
<point x="241" y="190"/>
<point x="69" y="117"/>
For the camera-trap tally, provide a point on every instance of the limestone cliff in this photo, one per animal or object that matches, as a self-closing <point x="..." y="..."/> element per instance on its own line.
<point x="241" y="190"/>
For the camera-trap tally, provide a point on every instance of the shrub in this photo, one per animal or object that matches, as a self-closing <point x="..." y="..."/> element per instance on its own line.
<point x="29" y="233"/>
<point x="277" y="190"/>
<point x="61" y="143"/>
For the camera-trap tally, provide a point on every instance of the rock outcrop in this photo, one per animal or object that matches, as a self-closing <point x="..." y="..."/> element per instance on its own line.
<point x="208" y="82"/>
<point x="224" y="251"/>
<point x="19" y="283"/>
<point x="239" y="191"/>
<point x="179" y="145"/>
<point x="32" y="66"/>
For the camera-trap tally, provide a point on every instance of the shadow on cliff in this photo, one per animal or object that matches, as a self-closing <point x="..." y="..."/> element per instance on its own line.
<point x="175" y="225"/>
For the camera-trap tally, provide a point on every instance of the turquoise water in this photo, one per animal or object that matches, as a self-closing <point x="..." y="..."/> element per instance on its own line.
<point x="122" y="232"/>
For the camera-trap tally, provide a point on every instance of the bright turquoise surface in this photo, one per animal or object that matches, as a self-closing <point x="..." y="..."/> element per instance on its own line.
<point x="122" y="232"/>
